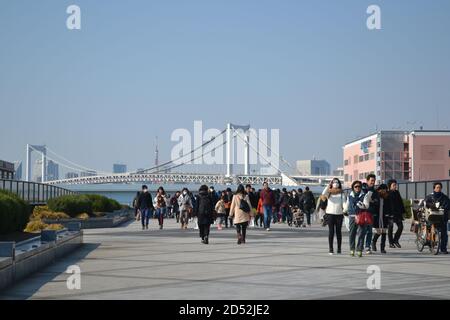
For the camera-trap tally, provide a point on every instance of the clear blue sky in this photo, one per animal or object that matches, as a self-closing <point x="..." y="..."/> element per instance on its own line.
<point x="138" y="69"/>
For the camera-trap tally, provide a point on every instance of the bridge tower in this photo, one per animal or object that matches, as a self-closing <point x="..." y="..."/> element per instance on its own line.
<point x="43" y="151"/>
<point x="230" y="139"/>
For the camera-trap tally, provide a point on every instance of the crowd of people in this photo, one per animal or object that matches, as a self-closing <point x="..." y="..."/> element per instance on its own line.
<point x="370" y="212"/>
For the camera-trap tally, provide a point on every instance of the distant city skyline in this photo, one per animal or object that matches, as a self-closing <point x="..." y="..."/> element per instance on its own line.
<point x="141" y="69"/>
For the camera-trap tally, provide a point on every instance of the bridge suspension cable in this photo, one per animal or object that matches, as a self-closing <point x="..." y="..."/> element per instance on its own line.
<point x="182" y="157"/>
<point x="75" y="164"/>
<point x="66" y="166"/>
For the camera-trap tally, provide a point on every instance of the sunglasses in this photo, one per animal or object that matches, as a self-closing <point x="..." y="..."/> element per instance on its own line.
<point x="357" y="187"/>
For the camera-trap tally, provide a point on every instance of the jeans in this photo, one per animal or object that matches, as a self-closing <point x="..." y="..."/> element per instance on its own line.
<point x="444" y="235"/>
<point x="369" y="236"/>
<point x="395" y="239"/>
<point x="284" y="213"/>
<point x="352" y="233"/>
<point x="145" y="216"/>
<point x="383" y="240"/>
<point x="308" y="216"/>
<point x="362" y="232"/>
<point x="160" y="213"/>
<point x="335" y="227"/>
<point x="267" y="215"/>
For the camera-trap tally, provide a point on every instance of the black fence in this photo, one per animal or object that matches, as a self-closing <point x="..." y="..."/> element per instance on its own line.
<point x="33" y="192"/>
<point x="419" y="190"/>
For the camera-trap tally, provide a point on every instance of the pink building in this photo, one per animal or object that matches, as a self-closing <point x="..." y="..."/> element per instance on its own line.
<point x="401" y="155"/>
<point x="430" y="155"/>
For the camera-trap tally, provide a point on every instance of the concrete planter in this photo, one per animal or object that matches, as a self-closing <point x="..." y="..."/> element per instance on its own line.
<point x="18" y="261"/>
<point x="111" y="220"/>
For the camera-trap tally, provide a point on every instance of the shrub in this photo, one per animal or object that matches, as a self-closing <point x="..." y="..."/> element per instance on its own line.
<point x="44" y="212"/>
<point x="103" y="204"/>
<point x="71" y="205"/>
<point x="14" y="212"/>
<point x="35" y="226"/>
<point x="82" y="216"/>
<point x="54" y="227"/>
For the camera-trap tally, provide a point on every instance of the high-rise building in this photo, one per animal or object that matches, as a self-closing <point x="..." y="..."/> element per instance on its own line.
<point x="313" y="168"/>
<point x="52" y="171"/>
<point x="119" y="168"/>
<point x="37" y="171"/>
<point x="18" y="170"/>
<point x="88" y="173"/>
<point x="6" y="170"/>
<point x="402" y="155"/>
<point x="71" y="175"/>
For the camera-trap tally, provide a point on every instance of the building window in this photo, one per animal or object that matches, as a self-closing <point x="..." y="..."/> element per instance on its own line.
<point x="346" y="163"/>
<point x="355" y="159"/>
<point x="361" y="158"/>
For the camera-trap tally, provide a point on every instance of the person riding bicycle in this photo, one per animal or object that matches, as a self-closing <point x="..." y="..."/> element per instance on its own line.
<point x="438" y="200"/>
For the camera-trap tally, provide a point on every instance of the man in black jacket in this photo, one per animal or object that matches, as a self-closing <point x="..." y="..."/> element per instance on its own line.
<point x="204" y="211"/>
<point x="145" y="205"/>
<point x="397" y="211"/>
<point x="439" y="200"/>
<point x="308" y="202"/>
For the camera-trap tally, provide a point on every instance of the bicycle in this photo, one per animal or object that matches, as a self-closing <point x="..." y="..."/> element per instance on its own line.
<point x="427" y="229"/>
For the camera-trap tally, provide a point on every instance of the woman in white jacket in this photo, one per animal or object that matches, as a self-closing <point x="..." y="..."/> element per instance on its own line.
<point x="334" y="213"/>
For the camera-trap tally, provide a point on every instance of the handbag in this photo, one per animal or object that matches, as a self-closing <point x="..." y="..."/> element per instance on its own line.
<point x="364" y="218"/>
<point x="244" y="206"/>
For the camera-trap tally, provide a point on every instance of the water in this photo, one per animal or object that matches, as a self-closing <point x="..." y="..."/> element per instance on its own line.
<point x="125" y="193"/>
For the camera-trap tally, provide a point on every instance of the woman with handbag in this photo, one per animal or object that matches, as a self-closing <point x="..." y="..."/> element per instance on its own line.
<point x="334" y="213"/>
<point x="356" y="210"/>
<point x="240" y="210"/>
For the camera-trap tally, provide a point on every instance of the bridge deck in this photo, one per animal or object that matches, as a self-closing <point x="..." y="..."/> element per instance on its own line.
<point x="127" y="263"/>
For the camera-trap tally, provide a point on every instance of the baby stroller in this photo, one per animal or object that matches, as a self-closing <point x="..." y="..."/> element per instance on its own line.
<point x="298" y="218"/>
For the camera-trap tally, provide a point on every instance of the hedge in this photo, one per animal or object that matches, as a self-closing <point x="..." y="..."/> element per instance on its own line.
<point x="71" y="205"/>
<point x="14" y="213"/>
<point x="103" y="204"/>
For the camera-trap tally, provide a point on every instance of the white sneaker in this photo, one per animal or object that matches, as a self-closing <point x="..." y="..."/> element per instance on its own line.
<point x="268" y="229"/>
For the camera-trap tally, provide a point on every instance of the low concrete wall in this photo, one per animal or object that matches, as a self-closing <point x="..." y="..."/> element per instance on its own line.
<point x="110" y="221"/>
<point x="24" y="263"/>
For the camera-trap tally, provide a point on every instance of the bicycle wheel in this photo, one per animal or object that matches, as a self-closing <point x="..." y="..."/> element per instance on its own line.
<point x="421" y="237"/>
<point x="435" y="243"/>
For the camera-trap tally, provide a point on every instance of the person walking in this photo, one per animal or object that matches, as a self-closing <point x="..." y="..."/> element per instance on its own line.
<point x="204" y="211"/>
<point x="334" y="213"/>
<point x="381" y="219"/>
<point x="220" y="210"/>
<point x="145" y="204"/>
<point x="185" y="204"/>
<point x="370" y="191"/>
<point x="308" y="204"/>
<point x="284" y="205"/>
<point x="268" y="202"/>
<point x="161" y="206"/>
<point x="254" y="203"/>
<point x="355" y="205"/>
<point x="439" y="201"/>
<point x="176" y="206"/>
<point x="228" y="202"/>
<point x="240" y="212"/>
<point x="260" y="213"/>
<point x="397" y="211"/>
<point x="136" y="207"/>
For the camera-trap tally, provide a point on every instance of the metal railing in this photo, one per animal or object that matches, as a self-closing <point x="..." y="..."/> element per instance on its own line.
<point x="33" y="192"/>
<point x="419" y="190"/>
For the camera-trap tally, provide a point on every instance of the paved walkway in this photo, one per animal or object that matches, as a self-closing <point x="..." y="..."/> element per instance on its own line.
<point x="127" y="263"/>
